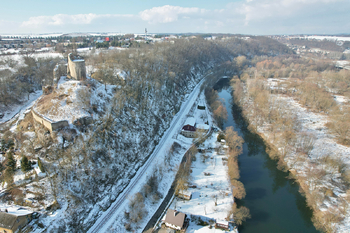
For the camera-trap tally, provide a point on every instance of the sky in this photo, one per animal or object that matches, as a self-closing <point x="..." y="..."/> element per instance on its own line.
<point x="256" y="17"/>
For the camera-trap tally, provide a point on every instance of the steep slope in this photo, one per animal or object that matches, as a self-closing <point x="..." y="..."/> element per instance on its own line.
<point x="88" y="165"/>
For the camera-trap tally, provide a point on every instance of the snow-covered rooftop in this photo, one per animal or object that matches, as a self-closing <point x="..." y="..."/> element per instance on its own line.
<point x="203" y="126"/>
<point x="15" y="210"/>
<point x="185" y="192"/>
<point x="78" y="60"/>
<point x="223" y="222"/>
<point x="201" y="103"/>
<point x="190" y="121"/>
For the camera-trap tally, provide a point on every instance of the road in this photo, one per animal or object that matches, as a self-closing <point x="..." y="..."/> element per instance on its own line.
<point x="106" y="218"/>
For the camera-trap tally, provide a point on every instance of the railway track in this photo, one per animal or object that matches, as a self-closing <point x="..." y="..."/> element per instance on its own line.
<point x="104" y="219"/>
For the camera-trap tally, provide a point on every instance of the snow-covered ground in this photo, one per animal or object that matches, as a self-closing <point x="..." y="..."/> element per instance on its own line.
<point x="18" y="58"/>
<point x="214" y="187"/>
<point x="340" y="99"/>
<point x="11" y="111"/>
<point x="72" y="100"/>
<point x="64" y="108"/>
<point x="15" y="210"/>
<point x="218" y="181"/>
<point x="31" y="35"/>
<point x="314" y="123"/>
<point x="325" y="146"/>
<point x="109" y="217"/>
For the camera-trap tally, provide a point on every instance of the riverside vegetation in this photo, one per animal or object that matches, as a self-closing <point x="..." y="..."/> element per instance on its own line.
<point x="234" y="143"/>
<point x="271" y="92"/>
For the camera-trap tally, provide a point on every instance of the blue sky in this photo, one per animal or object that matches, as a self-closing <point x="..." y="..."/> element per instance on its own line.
<point x="261" y="17"/>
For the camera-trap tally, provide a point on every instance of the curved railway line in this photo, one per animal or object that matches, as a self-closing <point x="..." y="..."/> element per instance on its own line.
<point x="105" y="217"/>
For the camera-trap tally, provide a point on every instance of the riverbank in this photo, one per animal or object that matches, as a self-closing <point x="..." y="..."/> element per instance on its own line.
<point x="301" y="143"/>
<point x="274" y="200"/>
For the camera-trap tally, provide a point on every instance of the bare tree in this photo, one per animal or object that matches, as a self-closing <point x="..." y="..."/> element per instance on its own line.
<point x="240" y="214"/>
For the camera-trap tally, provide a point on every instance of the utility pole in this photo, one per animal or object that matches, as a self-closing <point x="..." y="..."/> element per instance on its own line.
<point x="145" y="33"/>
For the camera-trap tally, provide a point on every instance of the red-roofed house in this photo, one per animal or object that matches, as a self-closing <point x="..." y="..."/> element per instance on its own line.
<point x="189" y="128"/>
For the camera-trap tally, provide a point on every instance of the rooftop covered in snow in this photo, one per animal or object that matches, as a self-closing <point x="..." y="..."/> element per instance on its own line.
<point x="190" y="121"/>
<point x="15" y="210"/>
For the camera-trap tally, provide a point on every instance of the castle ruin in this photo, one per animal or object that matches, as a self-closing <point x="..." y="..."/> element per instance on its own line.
<point x="76" y="67"/>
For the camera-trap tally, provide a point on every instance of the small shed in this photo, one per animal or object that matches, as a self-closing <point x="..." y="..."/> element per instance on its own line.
<point x="201" y="105"/>
<point x="184" y="194"/>
<point x="222" y="224"/>
<point x="175" y="220"/>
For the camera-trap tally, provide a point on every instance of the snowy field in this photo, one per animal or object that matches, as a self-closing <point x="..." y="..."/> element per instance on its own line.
<point x="214" y="187"/>
<point x="325" y="145"/>
<point x="31" y="35"/>
<point x="18" y="58"/>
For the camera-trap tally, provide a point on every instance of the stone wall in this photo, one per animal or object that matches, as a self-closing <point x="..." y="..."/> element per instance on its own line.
<point x="50" y="125"/>
<point x="59" y="70"/>
<point x="76" y="68"/>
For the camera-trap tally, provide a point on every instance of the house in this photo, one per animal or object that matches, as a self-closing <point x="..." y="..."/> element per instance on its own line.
<point x="176" y="220"/>
<point x="13" y="221"/>
<point x="189" y="128"/>
<point x="222" y="224"/>
<point x="184" y="194"/>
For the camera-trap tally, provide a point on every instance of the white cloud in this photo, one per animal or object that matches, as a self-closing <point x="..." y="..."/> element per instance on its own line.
<point x="167" y="13"/>
<point x="243" y="16"/>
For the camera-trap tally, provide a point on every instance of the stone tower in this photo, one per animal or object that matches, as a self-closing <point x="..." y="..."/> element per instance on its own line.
<point x="76" y="67"/>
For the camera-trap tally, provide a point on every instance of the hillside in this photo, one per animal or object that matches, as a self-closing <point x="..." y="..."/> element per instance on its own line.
<point x="85" y="166"/>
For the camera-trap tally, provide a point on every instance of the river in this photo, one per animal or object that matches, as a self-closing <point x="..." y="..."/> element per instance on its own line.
<point x="275" y="204"/>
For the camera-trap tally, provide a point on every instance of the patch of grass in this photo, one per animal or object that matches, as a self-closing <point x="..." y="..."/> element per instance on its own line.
<point x="26" y="122"/>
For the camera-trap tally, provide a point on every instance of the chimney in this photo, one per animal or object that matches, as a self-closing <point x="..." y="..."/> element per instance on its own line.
<point x="175" y="213"/>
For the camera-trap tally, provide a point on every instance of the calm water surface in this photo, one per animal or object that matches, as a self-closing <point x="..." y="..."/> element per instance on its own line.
<point x="275" y="204"/>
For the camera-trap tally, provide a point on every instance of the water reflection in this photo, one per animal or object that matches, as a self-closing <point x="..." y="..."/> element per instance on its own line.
<point x="255" y="193"/>
<point x="279" y="177"/>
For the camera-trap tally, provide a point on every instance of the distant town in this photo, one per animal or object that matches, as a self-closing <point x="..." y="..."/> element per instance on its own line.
<point x="26" y="44"/>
